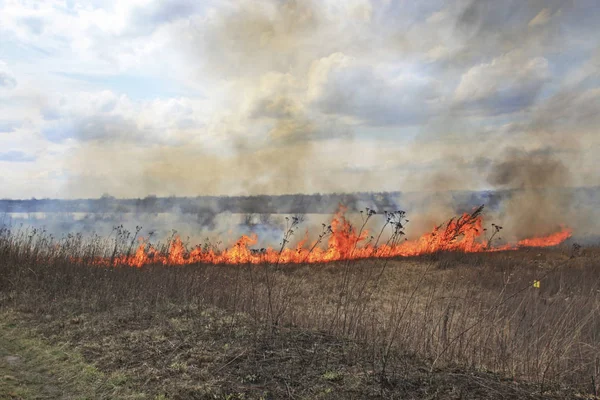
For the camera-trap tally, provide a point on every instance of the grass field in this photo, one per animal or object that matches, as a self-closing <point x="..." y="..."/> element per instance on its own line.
<point x="447" y="325"/>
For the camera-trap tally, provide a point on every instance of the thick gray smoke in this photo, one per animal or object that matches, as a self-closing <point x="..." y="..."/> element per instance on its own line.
<point x="541" y="199"/>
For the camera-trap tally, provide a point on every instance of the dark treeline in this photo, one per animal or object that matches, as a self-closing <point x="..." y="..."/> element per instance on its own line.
<point x="285" y="204"/>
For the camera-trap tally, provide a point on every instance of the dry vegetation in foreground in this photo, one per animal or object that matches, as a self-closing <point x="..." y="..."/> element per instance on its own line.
<point x="441" y="326"/>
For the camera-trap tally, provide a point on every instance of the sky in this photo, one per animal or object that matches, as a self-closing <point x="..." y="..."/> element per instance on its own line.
<point x="240" y="97"/>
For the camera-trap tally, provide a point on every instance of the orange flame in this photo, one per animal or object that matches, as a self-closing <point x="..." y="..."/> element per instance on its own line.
<point x="463" y="234"/>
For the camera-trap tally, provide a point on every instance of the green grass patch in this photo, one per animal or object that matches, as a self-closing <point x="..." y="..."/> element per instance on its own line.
<point x="33" y="369"/>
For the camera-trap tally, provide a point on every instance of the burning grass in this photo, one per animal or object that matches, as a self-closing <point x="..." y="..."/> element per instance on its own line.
<point x="338" y="241"/>
<point x="431" y="325"/>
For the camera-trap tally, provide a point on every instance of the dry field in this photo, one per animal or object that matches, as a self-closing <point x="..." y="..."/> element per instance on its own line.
<point x="516" y="324"/>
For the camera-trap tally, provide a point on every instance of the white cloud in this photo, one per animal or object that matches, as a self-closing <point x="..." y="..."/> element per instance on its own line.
<point x="508" y="83"/>
<point x="339" y="84"/>
<point x="227" y="82"/>
<point x="106" y="116"/>
<point x="7" y="79"/>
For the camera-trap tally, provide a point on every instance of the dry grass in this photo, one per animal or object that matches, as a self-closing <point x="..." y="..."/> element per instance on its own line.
<point x="432" y="326"/>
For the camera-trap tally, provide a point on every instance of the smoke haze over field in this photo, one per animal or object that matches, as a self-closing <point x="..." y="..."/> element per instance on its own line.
<point x="267" y="97"/>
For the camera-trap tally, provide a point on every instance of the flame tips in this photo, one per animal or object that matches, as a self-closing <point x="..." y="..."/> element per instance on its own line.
<point x="461" y="234"/>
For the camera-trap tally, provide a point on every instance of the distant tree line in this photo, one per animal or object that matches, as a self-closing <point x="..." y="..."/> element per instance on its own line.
<point x="261" y="204"/>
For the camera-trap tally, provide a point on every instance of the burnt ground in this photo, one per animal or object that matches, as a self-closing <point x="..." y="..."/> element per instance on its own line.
<point x="196" y="353"/>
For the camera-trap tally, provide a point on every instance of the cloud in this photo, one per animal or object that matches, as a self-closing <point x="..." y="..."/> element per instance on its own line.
<point x="541" y="18"/>
<point x="507" y="84"/>
<point x="271" y="96"/>
<point x="9" y="126"/>
<point x="571" y="111"/>
<point x="98" y="128"/>
<point x="144" y="19"/>
<point x="264" y="51"/>
<point x="16" y="156"/>
<point x="35" y="25"/>
<point x="104" y="116"/>
<point x="340" y="85"/>
<point x="7" y="80"/>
